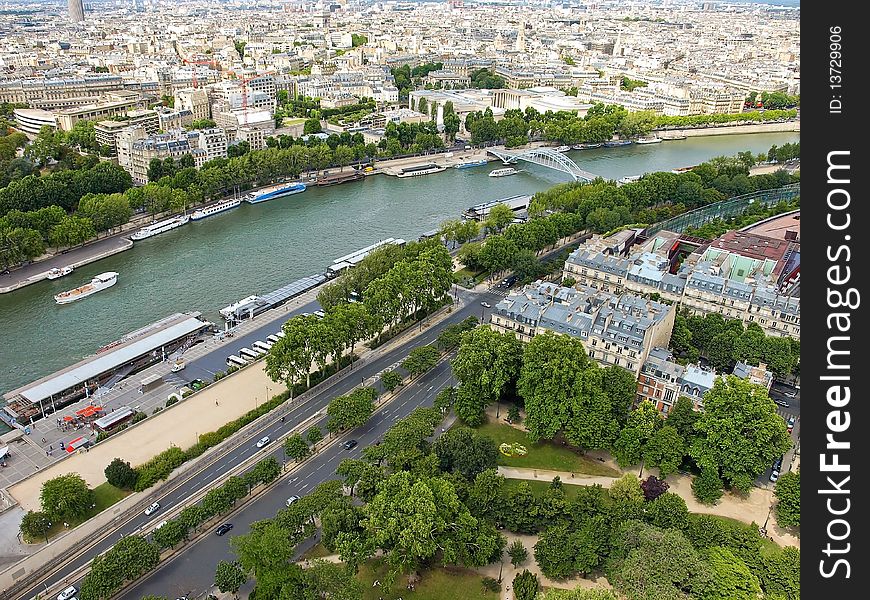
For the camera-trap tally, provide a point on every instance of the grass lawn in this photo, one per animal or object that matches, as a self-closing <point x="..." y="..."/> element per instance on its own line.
<point x="463" y="275"/>
<point x="105" y="495"/>
<point x="316" y="551"/>
<point x="543" y="455"/>
<point x="435" y="584"/>
<point x="539" y="487"/>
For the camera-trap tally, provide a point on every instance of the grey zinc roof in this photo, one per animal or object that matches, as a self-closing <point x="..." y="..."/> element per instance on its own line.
<point x="110" y="360"/>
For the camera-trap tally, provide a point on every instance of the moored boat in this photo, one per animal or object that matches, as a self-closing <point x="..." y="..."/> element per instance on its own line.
<point x="562" y="148"/>
<point x="615" y="143"/>
<point x="160" y="227"/>
<point x="276" y="191"/>
<point x="98" y="283"/>
<point x="586" y="146"/>
<point x="417" y="170"/>
<point x="648" y="140"/>
<point x="214" y="209"/>
<point x="470" y="164"/>
<point x="56" y="273"/>
<point x="503" y="172"/>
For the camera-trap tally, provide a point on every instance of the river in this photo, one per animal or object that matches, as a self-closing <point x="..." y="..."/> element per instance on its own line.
<point x="209" y="264"/>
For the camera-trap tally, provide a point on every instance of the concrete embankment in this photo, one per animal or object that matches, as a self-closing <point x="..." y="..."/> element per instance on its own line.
<point x="732" y="129"/>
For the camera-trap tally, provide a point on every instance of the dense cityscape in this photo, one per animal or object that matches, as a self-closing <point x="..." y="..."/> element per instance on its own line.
<point x="394" y="300"/>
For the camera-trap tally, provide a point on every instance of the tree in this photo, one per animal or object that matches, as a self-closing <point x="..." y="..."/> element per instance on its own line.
<point x="499" y="217"/>
<point x="390" y="380"/>
<point x="581" y="593"/>
<point x="352" y="410"/>
<point x="642" y="424"/>
<point x="486" y="363"/>
<point x="466" y="452"/>
<point x="73" y="230"/>
<point x="66" y="497"/>
<point x="413" y="519"/>
<point x="525" y="585"/>
<point x="203" y="124"/>
<point x="312" y="125"/>
<point x="296" y="448"/>
<point x="668" y="511"/>
<point x="35" y="525"/>
<point x="707" y="487"/>
<point x="517" y="552"/>
<point x="169" y="534"/>
<point x="653" y="487"/>
<point x="228" y="577"/>
<point x="121" y="475"/>
<point x="740" y="432"/>
<point x="485" y="497"/>
<point x="731" y="578"/>
<point x="665" y="450"/>
<point x="683" y="417"/>
<point x="333" y="581"/>
<point x="788" y="494"/>
<point x="314" y="435"/>
<point x="627" y="489"/>
<point x="421" y="359"/>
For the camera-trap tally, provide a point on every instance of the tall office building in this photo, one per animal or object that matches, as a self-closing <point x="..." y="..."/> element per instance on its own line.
<point x="76" y="11"/>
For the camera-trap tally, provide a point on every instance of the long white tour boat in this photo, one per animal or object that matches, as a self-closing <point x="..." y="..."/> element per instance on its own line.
<point x="214" y="209"/>
<point x="503" y="172"/>
<point x="97" y="284"/>
<point x="418" y="170"/>
<point x="276" y="191"/>
<point x="160" y="227"/>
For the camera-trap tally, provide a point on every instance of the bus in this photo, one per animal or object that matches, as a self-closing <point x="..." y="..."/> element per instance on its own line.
<point x="248" y="353"/>
<point x="273" y="339"/>
<point x="264" y="346"/>
<point x="236" y="361"/>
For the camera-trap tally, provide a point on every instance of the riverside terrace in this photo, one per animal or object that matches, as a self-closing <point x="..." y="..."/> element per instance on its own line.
<point x="132" y="353"/>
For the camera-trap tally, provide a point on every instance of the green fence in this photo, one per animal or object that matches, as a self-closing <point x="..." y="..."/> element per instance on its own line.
<point x="724" y="210"/>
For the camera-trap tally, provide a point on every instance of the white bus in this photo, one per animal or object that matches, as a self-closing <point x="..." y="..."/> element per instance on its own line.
<point x="264" y="346"/>
<point x="248" y="353"/>
<point x="273" y="339"/>
<point x="280" y="334"/>
<point x="236" y="361"/>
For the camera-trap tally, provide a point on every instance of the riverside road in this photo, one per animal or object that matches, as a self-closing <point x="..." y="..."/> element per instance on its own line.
<point x="297" y="413"/>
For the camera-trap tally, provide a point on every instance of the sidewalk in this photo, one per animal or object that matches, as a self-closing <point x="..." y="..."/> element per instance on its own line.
<point x="753" y="507"/>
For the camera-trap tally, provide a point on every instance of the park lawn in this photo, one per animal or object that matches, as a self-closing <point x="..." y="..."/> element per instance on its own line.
<point x="543" y="455"/>
<point x="462" y="275"/>
<point x="105" y="495"/>
<point x="438" y="583"/>
<point x="318" y="550"/>
<point x="539" y="487"/>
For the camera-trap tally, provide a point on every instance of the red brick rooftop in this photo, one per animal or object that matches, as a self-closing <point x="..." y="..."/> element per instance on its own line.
<point x="752" y="244"/>
<point x="776" y="228"/>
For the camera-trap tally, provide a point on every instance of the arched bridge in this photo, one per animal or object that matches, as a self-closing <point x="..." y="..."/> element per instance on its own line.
<point x="545" y="157"/>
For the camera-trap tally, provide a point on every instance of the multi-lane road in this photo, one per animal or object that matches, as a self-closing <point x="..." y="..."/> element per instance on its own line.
<point x="274" y="428"/>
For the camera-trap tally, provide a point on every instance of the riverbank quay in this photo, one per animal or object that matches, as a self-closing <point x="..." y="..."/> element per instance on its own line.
<point x="728" y="129"/>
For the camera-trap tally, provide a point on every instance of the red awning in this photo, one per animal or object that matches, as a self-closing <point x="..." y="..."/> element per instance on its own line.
<point x="88" y="411"/>
<point x="76" y="444"/>
<point x="67" y="418"/>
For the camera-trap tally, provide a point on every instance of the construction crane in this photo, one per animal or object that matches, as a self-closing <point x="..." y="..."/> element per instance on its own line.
<point x="245" y="81"/>
<point x="212" y="63"/>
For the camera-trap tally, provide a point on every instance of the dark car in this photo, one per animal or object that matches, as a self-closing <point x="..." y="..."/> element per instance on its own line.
<point x="224" y="528"/>
<point x="349" y="444"/>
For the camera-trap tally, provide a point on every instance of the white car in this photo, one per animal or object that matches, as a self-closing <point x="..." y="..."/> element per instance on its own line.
<point x="178" y="366"/>
<point x="485" y="305"/>
<point x="292" y="499"/>
<point x="67" y="594"/>
<point x="152" y="509"/>
<point x="263" y="441"/>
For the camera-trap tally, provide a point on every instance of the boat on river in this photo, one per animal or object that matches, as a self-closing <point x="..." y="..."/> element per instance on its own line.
<point x="648" y="140"/>
<point x="470" y="164"/>
<point x="616" y="143"/>
<point x="97" y="284"/>
<point x="503" y="172"/>
<point x="160" y="227"/>
<point x="56" y="273"/>
<point x="418" y="170"/>
<point x="276" y="191"/>
<point x="214" y="209"/>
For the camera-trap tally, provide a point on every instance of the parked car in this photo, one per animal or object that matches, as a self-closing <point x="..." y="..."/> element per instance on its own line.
<point x="790" y="424"/>
<point x="349" y="444"/>
<point x="774" y="475"/>
<point x="224" y="528"/>
<point x="67" y="594"/>
<point x="263" y="441"/>
<point x="782" y="403"/>
<point x="292" y="499"/>
<point x="155" y="506"/>
<point x="790" y="394"/>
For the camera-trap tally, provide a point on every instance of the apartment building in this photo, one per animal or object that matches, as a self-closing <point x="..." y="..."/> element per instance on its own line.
<point x="113" y="104"/>
<point x="194" y="100"/>
<point x="663" y="381"/>
<point x="740" y="276"/>
<point x="756" y="375"/>
<point x="107" y="132"/>
<point x="615" y="329"/>
<point x="37" y="91"/>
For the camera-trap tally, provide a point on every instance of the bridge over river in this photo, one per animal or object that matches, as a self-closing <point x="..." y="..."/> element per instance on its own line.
<point x="545" y="157"/>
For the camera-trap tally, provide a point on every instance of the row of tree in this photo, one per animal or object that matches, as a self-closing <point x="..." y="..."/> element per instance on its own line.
<point x="754" y="212"/>
<point x="134" y="556"/>
<point x="416" y="280"/>
<point x="724" y="342"/>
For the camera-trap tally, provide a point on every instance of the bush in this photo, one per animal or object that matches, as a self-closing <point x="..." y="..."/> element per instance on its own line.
<point x="491" y="585"/>
<point x="186" y="393"/>
<point x="121" y="474"/>
<point x="707" y="486"/>
<point x="159" y="467"/>
<point x="232" y="369"/>
<point x="525" y="585"/>
<point x="171" y="400"/>
<point x="156" y="410"/>
<point x="219" y="375"/>
<point x="139" y="416"/>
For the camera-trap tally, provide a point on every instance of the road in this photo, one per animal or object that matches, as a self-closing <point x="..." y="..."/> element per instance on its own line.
<point x="273" y="427"/>
<point x="192" y="574"/>
<point x="778" y="392"/>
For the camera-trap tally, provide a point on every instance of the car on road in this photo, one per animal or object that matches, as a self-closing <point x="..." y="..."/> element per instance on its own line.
<point x="67" y="594"/>
<point x="178" y="366"/>
<point x="485" y="305"/>
<point x="263" y="441"/>
<point x="790" y="424"/>
<point x="349" y="444"/>
<point x="155" y="506"/>
<point x="782" y="403"/>
<point x="223" y="529"/>
<point x="774" y="475"/>
<point x="790" y="394"/>
<point x="292" y="499"/>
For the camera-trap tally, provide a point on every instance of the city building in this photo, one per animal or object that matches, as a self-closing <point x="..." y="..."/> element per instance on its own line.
<point x="114" y="104"/>
<point x="615" y="329"/>
<point x="194" y="100"/>
<point x="757" y="375"/>
<point x="31" y="120"/>
<point x="106" y="132"/>
<point x="76" y="11"/>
